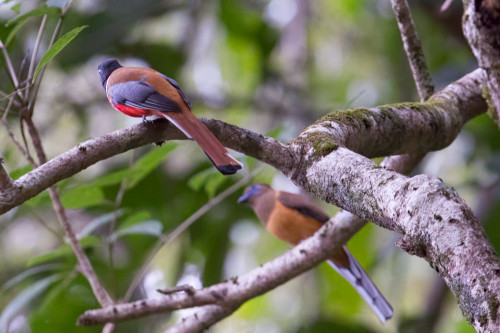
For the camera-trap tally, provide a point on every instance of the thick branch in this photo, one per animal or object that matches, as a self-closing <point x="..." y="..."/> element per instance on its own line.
<point x="400" y="128"/>
<point x="481" y="25"/>
<point x="435" y="222"/>
<point x="92" y="151"/>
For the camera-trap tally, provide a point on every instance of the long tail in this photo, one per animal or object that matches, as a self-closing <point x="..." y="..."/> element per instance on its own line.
<point x="357" y="277"/>
<point x="194" y="129"/>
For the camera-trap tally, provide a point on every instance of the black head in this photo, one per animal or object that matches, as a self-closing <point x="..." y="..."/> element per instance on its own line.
<point x="106" y="68"/>
<point x="251" y="192"/>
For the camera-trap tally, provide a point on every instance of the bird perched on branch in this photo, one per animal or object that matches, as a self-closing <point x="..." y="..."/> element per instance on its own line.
<point x="143" y="92"/>
<point x="292" y="218"/>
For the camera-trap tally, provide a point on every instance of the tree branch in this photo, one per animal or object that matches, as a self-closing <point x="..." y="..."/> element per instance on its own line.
<point x="380" y="131"/>
<point x="202" y="320"/>
<point x="237" y="290"/>
<point x="413" y="49"/>
<point x="481" y="25"/>
<point x="209" y="315"/>
<point x="84" y="264"/>
<point x="5" y="180"/>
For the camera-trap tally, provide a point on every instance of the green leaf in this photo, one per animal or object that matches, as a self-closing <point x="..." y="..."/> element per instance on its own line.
<point x="22" y="300"/>
<point x="213" y="183"/>
<point x="92" y="194"/>
<point x="199" y="179"/>
<point x="151" y="227"/>
<point x="276" y="132"/>
<point x="99" y="222"/>
<point x="39" y="200"/>
<point x="82" y="196"/>
<point x="13" y="32"/>
<point x="58" y="46"/>
<point x="63" y="250"/>
<point x="16" y="174"/>
<point x="136" y="218"/>
<point x="210" y="179"/>
<point x="16" y="8"/>
<point x="30" y="272"/>
<point x="148" y="162"/>
<point x="112" y="178"/>
<point x="39" y="11"/>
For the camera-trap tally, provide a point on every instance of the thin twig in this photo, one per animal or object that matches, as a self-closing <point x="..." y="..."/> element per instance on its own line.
<point x="165" y="239"/>
<point x="114" y="221"/>
<point x="7" y="109"/>
<point x="11" y="71"/>
<point x="38" y="80"/>
<point x="33" y="56"/>
<point x="445" y="5"/>
<point x="108" y="328"/>
<point x="47" y="226"/>
<point x="413" y="49"/>
<point x="25" y="153"/>
<point x="16" y="92"/>
<point x="5" y="180"/>
<point x="84" y="264"/>
<point x="185" y="288"/>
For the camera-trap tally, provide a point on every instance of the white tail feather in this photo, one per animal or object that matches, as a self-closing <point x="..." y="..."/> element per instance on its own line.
<point x="177" y="125"/>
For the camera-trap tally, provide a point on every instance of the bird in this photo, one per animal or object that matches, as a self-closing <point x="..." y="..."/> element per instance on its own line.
<point x="143" y="92"/>
<point x="292" y="218"/>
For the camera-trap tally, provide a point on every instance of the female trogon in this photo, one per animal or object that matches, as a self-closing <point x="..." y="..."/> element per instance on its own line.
<point x="292" y="218"/>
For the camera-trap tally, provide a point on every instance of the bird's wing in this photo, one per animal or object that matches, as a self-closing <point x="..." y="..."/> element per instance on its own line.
<point x="141" y="94"/>
<point x="179" y="90"/>
<point x="301" y="205"/>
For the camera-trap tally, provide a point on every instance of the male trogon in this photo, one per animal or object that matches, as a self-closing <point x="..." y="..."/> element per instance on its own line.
<point x="142" y="92"/>
<point x="292" y="218"/>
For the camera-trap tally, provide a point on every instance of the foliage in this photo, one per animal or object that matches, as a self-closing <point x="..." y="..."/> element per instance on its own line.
<point x="234" y="61"/>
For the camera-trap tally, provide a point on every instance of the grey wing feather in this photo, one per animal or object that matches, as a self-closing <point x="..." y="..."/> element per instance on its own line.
<point x="141" y="94"/>
<point x="179" y="90"/>
<point x="155" y="101"/>
<point x="301" y="205"/>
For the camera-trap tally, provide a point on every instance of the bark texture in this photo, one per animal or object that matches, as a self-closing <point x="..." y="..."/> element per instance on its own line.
<point x="481" y="24"/>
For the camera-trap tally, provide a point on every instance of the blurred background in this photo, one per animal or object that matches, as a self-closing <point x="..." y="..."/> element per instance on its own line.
<point x="270" y="66"/>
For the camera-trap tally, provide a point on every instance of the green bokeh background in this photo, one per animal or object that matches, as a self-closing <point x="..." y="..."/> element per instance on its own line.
<point x="259" y="64"/>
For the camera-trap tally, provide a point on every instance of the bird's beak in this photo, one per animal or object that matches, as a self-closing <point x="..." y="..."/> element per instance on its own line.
<point x="244" y="198"/>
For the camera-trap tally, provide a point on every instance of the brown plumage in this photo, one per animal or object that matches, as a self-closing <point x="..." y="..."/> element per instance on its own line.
<point x="292" y="218"/>
<point x="143" y="92"/>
